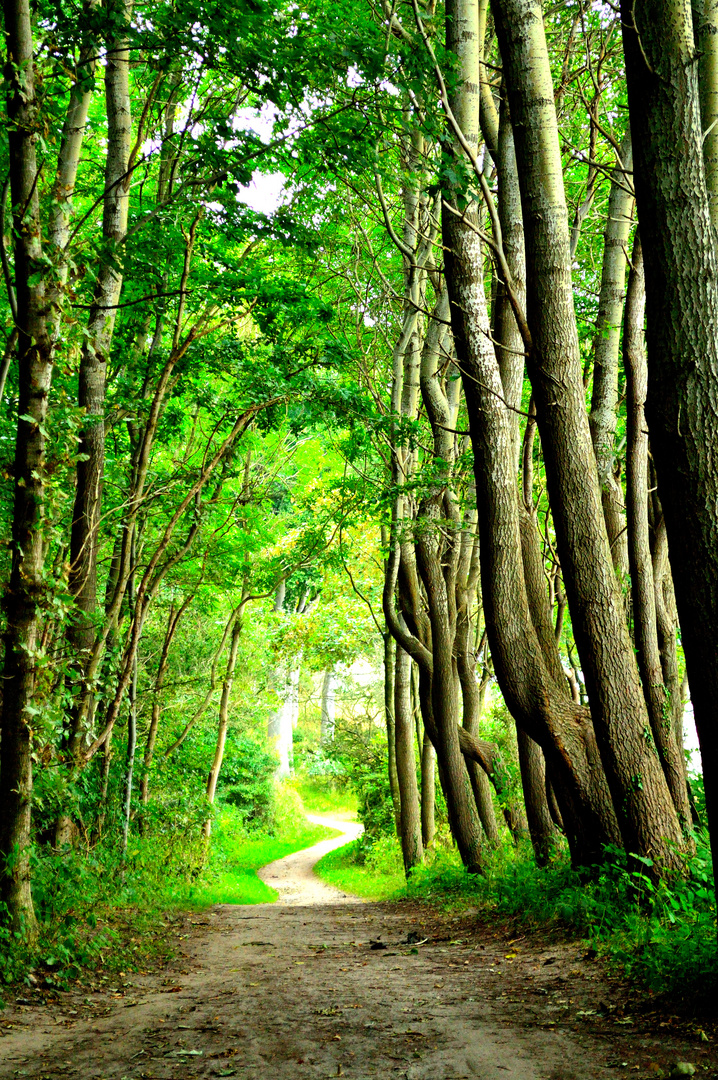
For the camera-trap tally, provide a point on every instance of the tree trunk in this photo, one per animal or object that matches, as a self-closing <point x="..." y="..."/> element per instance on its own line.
<point x="705" y="30"/>
<point x="604" y="399"/>
<point x="328" y="706"/>
<point x="533" y="781"/>
<point x="678" y="241"/>
<point x="84" y="536"/>
<point x="26" y="587"/>
<point x="389" y="664"/>
<point x="411" y="838"/>
<point x="428" y="792"/>
<point x="639" y="550"/>
<point x="172" y="623"/>
<point x="646" y="815"/>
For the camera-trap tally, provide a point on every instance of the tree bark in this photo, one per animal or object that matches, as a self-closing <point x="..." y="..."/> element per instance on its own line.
<point x="533" y="782"/>
<point x="26" y="587"/>
<point x="642" y="583"/>
<point x="428" y="792"/>
<point x="223" y="717"/>
<point x="175" y="616"/>
<point x="328" y="706"/>
<point x="705" y="30"/>
<point x="389" y="665"/>
<point x="604" y="399"/>
<point x="84" y="537"/>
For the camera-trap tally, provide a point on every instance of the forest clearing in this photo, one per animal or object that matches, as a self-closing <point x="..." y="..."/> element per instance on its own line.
<point x="359" y="464"/>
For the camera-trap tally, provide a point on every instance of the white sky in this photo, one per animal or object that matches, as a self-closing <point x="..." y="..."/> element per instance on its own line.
<point x="265" y="193"/>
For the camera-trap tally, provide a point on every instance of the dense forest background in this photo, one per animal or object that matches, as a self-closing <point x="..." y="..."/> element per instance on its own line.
<point x="351" y="431"/>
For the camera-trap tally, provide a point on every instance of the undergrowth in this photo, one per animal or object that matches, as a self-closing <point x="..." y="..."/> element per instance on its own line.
<point x="320" y="798"/>
<point x="661" y="935"/>
<point x="99" y="909"/>
<point x="370" y="871"/>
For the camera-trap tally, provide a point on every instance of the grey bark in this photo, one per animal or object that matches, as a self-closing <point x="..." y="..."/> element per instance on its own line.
<point x="604" y="398"/>
<point x="642" y="582"/>
<point x="411" y="836"/>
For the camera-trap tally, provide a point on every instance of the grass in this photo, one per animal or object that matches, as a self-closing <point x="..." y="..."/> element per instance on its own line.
<point x="661" y="935"/>
<point x="373" y="876"/>
<point x="320" y="799"/>
<point x="231" y="876"/>
<point x="100" y="913"/>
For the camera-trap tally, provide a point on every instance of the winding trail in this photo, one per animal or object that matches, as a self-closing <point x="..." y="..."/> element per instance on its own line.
<point x="293" y="876"/>
<point x="320" y="985"/>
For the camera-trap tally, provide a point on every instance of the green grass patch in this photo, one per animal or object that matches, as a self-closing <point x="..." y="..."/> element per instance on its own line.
<point x="322" y="799"/>
<point x="372" y="874"/>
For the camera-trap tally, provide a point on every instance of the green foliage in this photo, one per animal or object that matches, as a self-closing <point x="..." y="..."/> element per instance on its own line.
<point x="230" y="874"/>
<point x="322" y="797"/>
<point x="662" y="934"/>
<point x="247" y="781"/>
<point x="368" y="776"/>
<point x="374" y="872"/>
<point x="82" y="897"/>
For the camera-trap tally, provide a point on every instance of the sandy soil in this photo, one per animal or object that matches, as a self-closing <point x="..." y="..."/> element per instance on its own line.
<point x="320" y="985"/>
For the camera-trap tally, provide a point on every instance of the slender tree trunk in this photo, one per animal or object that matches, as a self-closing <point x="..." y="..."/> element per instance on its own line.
<point x="428" y="792"/>
<point x="223" y="718"/>
<point x="93" y="367"/>
<point x="681" y="265"/>
<point x="131" y="708"/>
<point x="105" y="764"/>
<point x="604" y="399"/>
<point x="173" y="621"/>
<point x="705" y="30"/>
<point x="328" y="706"/>
<point x="389" y="666"/>
<point x="411" y="838"/>
<point x="642" y="584"/>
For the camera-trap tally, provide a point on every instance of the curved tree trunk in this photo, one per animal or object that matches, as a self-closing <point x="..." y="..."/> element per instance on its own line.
<point x="533" y="781"/>
<point x="642" y="583"/>
<point x="604" y="399"/>
<point x="223" y="717"/>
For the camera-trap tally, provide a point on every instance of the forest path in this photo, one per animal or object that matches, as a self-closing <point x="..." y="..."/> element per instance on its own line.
<point x="293" y="876"/>
<point x="301" y="990"/>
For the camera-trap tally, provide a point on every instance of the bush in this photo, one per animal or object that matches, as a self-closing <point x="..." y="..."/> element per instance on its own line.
<point x="247" y="780"/>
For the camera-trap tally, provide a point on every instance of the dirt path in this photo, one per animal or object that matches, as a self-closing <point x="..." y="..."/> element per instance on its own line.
<point x="300" y="989"/>
<point x="293" y="877"/>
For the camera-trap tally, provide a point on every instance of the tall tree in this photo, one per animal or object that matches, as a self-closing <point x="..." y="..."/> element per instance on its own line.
<point x="678" y="239"/>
